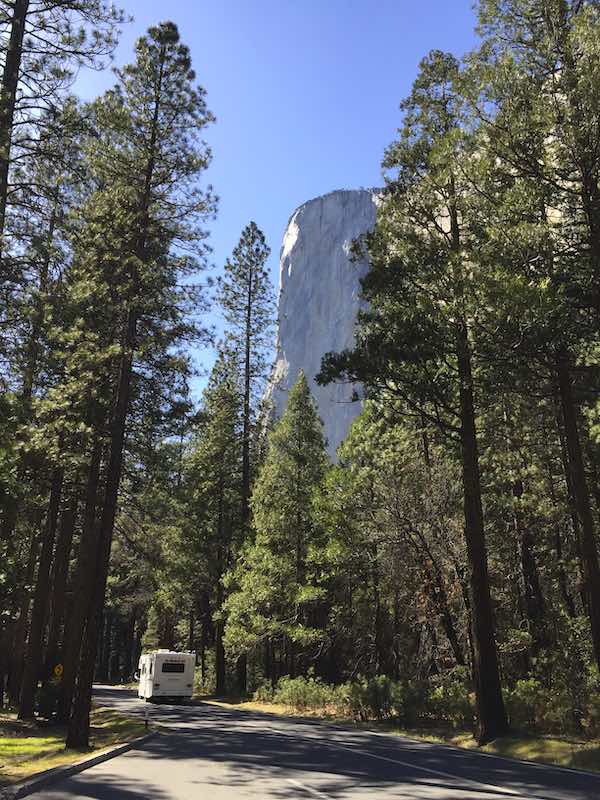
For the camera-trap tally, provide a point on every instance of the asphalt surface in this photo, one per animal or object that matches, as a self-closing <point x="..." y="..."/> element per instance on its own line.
<point x="215" y="753"/>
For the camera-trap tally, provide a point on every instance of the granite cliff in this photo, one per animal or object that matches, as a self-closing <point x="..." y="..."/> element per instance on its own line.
<point x="319" y="300"/>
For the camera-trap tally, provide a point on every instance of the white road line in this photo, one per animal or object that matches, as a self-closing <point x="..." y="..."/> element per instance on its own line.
<point x="502" y="791"/>
<point x="309" y="790"/>
<point x="460" y="751"/>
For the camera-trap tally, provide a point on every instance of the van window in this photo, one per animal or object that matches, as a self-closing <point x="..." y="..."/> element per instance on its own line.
<point x="173" y="666"/>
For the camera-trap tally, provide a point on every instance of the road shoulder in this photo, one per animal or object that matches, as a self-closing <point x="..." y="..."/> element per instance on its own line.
<point x="47" y="777"/>
<point x="582" y="757"/>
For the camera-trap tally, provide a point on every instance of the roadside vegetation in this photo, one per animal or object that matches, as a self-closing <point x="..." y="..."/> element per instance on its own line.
<point x="27" y="748"/>
<point x="437" y="711"/>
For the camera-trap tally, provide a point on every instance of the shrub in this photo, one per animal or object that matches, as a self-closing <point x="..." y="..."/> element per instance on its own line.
<point x="442" y="699"/>
<point x="264" y="692"/>
<point x="303" y="693"/>
<point x="414" y="702"/>
<point x="524" y="702"/>
<point x="448" y="699"/>
<point x="352" y="697"/>
<point x="365" y="699"/>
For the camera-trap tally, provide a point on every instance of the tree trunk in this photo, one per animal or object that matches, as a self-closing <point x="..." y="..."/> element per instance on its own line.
<point x="79" y="721"/>
<point x="219" y="659"/>
<point x="8" y="97"/>
<point x="116" y="650"/>
<point x="436" y="591"/>
<point x="440" y="601"/>
<point x="203" y="654"/>
<point x="246" y="411"/>
<point x="17" y="655"/>
<point x="59" y="583"/>
<point x="128" y="653"/>
<point x="587" y="541"/>
<point x="492" y="720"/>
<point x="396" y="649"/>
<point x="33" y="660"/>
<point x="82" y="583"/>
<point x="104" y="660"/>
<point x="241" y="667"/>
<point x="379" y="651"/>
<point x="535" y="607"/>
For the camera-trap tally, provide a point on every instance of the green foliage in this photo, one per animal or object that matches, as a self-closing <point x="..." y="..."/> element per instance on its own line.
<point x="444" y="699"/>
<point x="302" y="693"/>
<point x="246" y="296"/>
<point x="276" y="593"/>
<point x="377" y="697"/>
<point x="449" y="699"/>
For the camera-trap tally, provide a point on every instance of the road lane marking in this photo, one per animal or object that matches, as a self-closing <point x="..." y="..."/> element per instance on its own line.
<point x="309" y="790"/>
<point x="498" y="790"/>
<point x="424" y="744"/>
<point x="501" y="790"/>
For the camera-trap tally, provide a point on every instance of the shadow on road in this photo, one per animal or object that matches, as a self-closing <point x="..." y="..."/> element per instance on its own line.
<point x="250" y="746"/>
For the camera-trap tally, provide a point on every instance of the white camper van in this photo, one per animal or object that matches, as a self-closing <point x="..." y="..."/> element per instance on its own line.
<point x="166" y="674"/>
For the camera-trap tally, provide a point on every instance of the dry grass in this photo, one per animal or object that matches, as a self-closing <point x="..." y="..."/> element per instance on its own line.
<point x="27" y="748"/>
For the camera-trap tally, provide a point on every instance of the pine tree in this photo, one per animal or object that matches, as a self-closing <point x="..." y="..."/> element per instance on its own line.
<point x="417" y="340"/>
<point x="34" y="367"/>
<point x="146" y="159"/>
<point x="45" y="44"/>
<point x="534" y="90"/>
<point x="393" y="551"/>
<point x="246" y="296"/>
<point x="213" y="478"/>
<point x="276" y="590"/>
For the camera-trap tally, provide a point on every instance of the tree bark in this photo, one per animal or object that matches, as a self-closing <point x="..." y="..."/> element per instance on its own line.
<point x="440" y="600"/>
<point x="104" y="646"/>
<point x="17" y="654"/>
<point x="59" y="584"/>
<point x="79" y="721"/>
<point x="128" y="655"/>
<point x="82" y="583"/>
<point x="492" y="719"/>
<point x="219" y="659"/>
<point x="586" y="529"/>
<point x="8" y="98"/>
<point x="33" y="659"/>
<point x="535" y="607"/>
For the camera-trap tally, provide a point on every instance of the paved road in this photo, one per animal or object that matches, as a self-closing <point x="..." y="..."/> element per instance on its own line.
<point x="215" y="753"/>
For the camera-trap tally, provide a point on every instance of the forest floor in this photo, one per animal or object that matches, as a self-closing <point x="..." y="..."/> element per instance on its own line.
<point x="29" y="747"/>
<point x="567" y="751"/>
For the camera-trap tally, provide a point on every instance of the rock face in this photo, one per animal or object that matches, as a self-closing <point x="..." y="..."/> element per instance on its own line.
<point x="319" y="300"/>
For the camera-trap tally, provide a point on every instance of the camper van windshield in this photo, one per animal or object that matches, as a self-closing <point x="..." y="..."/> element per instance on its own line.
<point x="173" y="666"/>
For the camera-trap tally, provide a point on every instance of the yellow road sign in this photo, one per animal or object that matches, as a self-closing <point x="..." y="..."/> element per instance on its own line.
<point x="58" y="670"/>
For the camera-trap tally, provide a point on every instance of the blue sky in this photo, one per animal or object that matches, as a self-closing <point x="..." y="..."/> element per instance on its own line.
<point x="306" y="95"/>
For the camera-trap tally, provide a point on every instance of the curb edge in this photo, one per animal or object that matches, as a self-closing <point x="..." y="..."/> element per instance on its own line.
<point x="45" y="778"/>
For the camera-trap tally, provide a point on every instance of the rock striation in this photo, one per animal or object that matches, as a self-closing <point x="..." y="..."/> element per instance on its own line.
<point x="319" y="298"/>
